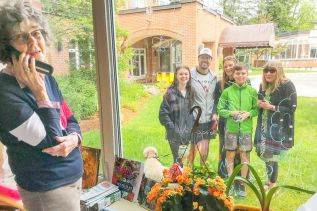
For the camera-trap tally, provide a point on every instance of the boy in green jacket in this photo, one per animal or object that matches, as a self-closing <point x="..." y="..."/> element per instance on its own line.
<point x="238" y="104"/>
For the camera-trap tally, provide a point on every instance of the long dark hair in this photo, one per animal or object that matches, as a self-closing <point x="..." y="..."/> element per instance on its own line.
<point x="189" y="89"/>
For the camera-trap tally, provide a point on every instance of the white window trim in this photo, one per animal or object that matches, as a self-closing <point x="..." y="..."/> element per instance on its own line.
<point x="145" y="66"/>
<point x="77" y="54"/>
<point x="107" y="83"/>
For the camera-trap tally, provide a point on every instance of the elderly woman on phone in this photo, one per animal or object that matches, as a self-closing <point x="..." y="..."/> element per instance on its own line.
<point x="36" y="125"/>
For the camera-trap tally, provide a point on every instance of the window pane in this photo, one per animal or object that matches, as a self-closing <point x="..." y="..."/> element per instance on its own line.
<point x="165" y="36"/>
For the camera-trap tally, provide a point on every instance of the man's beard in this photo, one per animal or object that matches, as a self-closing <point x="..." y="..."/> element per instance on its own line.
<point x="204" y="66"/>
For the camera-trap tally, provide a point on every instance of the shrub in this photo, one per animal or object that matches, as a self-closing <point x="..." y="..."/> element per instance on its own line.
<point x="131" y="94"/>
<point x="79" y="90"/>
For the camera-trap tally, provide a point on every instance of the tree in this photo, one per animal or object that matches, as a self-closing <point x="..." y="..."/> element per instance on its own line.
<point x="71" y="20"/>
<point x="287" y="15"/>
<point x="305" y="15"/>
<point x="240" y="11"/>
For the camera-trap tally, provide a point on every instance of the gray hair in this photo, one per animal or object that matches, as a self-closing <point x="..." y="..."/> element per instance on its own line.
<point x="12" y="14"/>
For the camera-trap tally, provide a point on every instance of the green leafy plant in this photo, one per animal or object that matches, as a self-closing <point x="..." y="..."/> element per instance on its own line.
<point x="264" y="197"/>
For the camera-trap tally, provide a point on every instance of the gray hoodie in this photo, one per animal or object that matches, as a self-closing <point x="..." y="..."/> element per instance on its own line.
<point x="204" y="89"/>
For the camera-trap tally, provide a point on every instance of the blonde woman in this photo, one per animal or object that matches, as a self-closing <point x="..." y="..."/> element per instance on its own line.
<point x="277" y="102"/>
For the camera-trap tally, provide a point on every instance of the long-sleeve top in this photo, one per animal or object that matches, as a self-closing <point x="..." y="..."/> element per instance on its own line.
<point x="238" y="98"/>
<point x="280" y="123"/>
<point x="27" y="128"/>
<point x="175" y="115"/>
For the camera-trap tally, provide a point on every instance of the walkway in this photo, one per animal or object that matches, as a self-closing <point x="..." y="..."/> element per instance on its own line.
<point x="305" y="83"/>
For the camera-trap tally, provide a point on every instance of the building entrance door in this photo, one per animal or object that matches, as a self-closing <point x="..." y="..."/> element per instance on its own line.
<point x="139" y="63"/>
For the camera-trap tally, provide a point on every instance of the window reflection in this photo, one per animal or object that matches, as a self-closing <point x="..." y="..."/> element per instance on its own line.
<point x="172" y="37"/>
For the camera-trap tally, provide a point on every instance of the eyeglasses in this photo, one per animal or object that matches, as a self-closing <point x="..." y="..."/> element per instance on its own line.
<point x="23" y="38"/>
<point x="272" y="71"/>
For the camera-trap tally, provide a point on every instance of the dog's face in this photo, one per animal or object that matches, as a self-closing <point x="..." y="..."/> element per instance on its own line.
<point x="150" y="152"/>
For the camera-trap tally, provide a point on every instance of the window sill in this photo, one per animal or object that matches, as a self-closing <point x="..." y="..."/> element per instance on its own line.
<point x="123" y="205"/>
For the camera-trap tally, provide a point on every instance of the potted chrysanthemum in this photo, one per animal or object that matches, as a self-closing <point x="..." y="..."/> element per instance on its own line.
<point x="190" y="189"/>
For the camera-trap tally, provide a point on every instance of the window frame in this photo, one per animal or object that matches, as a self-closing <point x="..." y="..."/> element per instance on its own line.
<point x="139" y="55"/>
<point x="107" y="83"/>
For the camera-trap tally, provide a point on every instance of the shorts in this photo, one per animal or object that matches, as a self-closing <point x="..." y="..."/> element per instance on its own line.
<point x="234" y="141"/>
<point x="203" y="132"/>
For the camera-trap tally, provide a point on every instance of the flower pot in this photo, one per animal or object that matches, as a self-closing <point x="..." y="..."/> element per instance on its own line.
<point x="240" y="207"/>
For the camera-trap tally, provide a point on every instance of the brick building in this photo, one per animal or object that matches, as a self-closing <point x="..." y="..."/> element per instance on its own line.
<point x="170" y="33"/>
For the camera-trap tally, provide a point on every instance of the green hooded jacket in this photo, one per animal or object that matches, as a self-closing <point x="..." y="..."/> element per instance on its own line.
<point x="238" y="98"/>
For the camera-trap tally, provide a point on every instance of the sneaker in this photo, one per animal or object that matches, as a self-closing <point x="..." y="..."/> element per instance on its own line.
<point x="242" y="192"/>
<point x="232" y="191"/>
<point x="236" y="186"/>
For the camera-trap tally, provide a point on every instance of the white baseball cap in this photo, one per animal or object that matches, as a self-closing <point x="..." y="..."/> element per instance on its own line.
<point x="206" y="51"/>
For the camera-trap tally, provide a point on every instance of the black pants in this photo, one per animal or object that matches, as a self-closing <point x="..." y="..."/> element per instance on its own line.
<point x="272" y="171"/>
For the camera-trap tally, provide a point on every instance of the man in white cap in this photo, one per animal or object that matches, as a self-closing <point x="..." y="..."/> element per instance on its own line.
<point x="203" y="82"/>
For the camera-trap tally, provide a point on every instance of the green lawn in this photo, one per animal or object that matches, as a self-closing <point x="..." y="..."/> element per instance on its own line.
<point x="295" y="169"/>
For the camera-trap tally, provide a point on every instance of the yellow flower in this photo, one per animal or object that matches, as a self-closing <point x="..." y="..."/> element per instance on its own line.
<point x="186" y="170"/>
<point x="195" y="205"/>
<point x="200" y="208"/>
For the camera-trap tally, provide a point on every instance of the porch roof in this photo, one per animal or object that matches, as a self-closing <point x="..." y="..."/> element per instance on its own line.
<point x="248" y="36"/>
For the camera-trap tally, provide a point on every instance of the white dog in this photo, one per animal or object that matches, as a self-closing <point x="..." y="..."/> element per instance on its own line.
<point x="153" y="168"/>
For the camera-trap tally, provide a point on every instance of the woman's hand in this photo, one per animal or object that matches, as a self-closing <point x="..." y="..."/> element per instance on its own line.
<point x="265" y="105"/>
<point x="25" y="72"/>
<point x="66" y="146"/>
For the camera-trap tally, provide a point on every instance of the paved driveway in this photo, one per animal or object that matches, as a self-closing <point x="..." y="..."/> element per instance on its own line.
<point x="305" y="83"/>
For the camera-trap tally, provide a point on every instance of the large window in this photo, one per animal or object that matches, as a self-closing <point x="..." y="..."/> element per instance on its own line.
<point x="128" y="110"/>
<point x="139" y="63"/>
<point x="133" y="4"/>
<point x="301" y="48"/>
<point x="172" y="35"/>
<point x="313" y="52"/>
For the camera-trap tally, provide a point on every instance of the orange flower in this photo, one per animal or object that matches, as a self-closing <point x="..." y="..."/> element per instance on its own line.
<point x="166" y="180"/>
<point x="176" y="181"/>
<point x="166" y="172"/>
<point x="153" y="194"/>
<point x="200" y="181"/>
<point x="186" y="170"/>
<point x="196" y="190"/>
<point x="222" y="196"/>
<point x="179" y="189"/>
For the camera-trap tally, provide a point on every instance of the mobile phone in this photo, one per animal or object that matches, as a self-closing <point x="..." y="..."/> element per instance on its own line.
<point x="260" y="96"/>
<point x="40" y="66"/>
